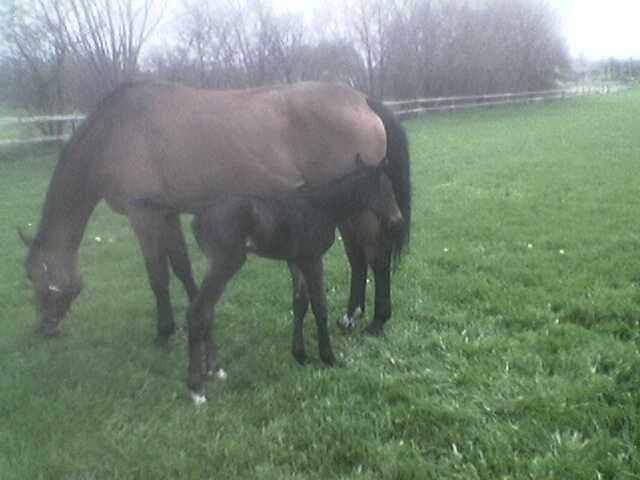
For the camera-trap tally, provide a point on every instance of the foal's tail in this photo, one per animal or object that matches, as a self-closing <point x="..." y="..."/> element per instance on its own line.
<point x="398" y="170"/>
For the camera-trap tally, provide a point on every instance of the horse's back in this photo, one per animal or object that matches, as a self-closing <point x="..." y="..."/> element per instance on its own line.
<point x="191" y="144"/>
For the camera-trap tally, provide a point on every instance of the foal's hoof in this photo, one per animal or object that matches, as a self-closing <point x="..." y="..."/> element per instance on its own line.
<point x="218" y="373"/>
<point x="300" y="356"/>
<point x="161" y="341"/>
<point x="374" y="328"/>
<point x="348" y="323"/>
<point x="198" y="398"/>
<point x="47" y="331"/>
<point x="328" y="358"/>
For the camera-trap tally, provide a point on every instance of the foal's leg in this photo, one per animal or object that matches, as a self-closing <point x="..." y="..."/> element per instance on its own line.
<point x="358" y="263"/>
<point x="200" y="318"/>
<point x="149" y="228"/>
<point x="179" y="256"/>
<point x="313" y="277"/>
<point x="300" y="307"/>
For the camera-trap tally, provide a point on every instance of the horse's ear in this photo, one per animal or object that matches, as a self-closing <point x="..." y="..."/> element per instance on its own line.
<point x="25" y="237"/>
<point x="359" y="162"/>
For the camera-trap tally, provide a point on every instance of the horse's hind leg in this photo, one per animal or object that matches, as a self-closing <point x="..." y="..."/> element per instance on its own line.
<point x="365" y="244"/>
<point x="358" y="262"/>
<point x="149" y="228"/>
<point x="179" y="256"/>
<point x="300" y="307"/>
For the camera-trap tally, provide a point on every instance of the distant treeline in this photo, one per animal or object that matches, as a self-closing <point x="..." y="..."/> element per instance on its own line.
<point x="58" y="55"/>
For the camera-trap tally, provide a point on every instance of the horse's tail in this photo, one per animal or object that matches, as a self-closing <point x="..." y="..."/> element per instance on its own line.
<point x="398" y="170"/>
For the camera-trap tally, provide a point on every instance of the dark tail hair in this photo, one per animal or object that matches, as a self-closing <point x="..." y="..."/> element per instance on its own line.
<point x="398" y="170"/>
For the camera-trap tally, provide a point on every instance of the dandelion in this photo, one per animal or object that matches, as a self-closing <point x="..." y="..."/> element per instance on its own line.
<point x="529" y="246"/>
<point x="561" y="251"/>
<point x="446" y="250"/>
<point x="98" y="239"/>
<point x="557" y="321"/>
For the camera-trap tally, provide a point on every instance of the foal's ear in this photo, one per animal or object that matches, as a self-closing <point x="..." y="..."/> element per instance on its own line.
<point x="359" y="162"/>
<point x="25" y="237"/>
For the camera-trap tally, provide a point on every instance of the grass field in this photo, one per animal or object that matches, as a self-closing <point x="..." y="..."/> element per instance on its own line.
<point x="513" y="351"/>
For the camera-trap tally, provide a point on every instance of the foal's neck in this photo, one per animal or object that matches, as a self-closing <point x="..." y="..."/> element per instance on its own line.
<point x="338" y="200"/>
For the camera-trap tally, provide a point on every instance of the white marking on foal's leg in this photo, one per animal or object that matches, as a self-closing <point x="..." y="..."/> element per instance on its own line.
<point x="350" y="322"/>
<point x="198" y="398"/>
<point x="249" y="244"/>
<point x="219" y="373"/>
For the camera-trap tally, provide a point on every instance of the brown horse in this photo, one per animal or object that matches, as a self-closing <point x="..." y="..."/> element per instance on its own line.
<point x="193" y="146"/>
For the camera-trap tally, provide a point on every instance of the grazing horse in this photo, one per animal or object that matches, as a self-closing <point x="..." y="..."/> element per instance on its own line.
<point x="297" y="228"/>
<point x="188" y="145"/>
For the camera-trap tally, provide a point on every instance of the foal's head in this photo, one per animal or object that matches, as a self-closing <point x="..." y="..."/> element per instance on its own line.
<point x="373" y="189"/>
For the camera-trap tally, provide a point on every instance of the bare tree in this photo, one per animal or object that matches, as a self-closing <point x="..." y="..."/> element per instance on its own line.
<point x="88" y="46"/>
<point x="370" y="23"/>
<point x="108" y="35"/>
<point x="37" y="55"/>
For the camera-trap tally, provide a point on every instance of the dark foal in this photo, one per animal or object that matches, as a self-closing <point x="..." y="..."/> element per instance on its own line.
<point x="298" y="228"/>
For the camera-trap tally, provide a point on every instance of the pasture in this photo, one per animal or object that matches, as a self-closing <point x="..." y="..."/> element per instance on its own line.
<point x="513" y="350"/>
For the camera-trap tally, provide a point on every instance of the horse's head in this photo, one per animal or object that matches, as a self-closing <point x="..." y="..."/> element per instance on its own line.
<point x="56" y="282"/>
<point x="379" y="197"/>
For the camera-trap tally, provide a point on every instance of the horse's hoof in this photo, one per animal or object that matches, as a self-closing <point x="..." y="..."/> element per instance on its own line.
<point x="198" y="398"/>
<point x="218" y="373"/>
<point x="375" y="329"/>
<point x="300" y="356"/>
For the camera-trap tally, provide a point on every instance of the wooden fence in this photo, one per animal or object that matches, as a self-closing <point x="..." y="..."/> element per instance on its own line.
<point x="404" y="109"/>
<point x="414" y="108"/>
<point x="73" y="119"/>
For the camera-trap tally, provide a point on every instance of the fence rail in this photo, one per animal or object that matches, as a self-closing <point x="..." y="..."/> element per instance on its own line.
<point x="73" y="119"/>
<point x="404" y="108"/>
<point x="414" y="108"/>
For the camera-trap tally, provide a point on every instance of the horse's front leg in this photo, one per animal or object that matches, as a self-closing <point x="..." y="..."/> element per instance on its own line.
<point x="314" y="279"/>
<point x="300" y="307"/>
<point x="149" y="228"/>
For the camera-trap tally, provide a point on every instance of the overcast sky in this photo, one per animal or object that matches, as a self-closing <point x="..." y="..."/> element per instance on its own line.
<point x="594" y="28"/>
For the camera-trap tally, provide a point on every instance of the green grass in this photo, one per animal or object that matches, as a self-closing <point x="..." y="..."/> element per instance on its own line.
<point x="513" y="351"/>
